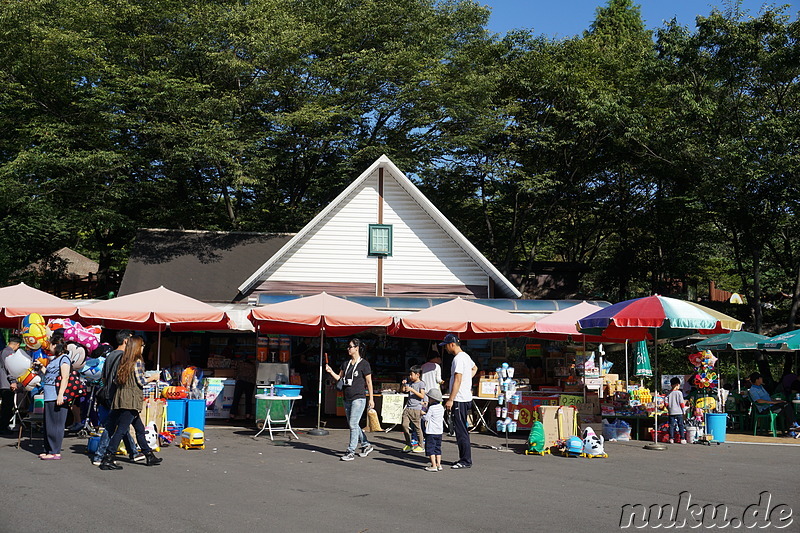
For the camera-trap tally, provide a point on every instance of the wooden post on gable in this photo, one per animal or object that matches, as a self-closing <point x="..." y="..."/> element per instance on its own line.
<point x="379" y="281"/>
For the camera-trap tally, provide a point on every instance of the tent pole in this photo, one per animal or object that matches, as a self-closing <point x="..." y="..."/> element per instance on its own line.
<point x="626" y="364"/>
<point x="738" y="379"/>
<point x="158" y="357"/>
<point x="656" y="382"/>
<point x="318" y="431"/>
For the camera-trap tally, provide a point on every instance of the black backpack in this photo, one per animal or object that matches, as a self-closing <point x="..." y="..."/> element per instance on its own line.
<point x="105" y="394"/>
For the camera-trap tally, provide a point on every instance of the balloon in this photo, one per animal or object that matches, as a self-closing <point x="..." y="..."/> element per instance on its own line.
<point x="17" y="363"/>
<point x="77" y="355"/>
<point x="93" y="369"/>
<point x="29" y="380"/>
<point x="33" y="318"/>
<point x="58" y="323"/>
<point x="36" y="337"/>
<point x="88" y="337"/>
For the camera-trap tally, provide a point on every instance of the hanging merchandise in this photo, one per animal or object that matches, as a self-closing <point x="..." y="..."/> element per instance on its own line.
<point x="705" y="377"/>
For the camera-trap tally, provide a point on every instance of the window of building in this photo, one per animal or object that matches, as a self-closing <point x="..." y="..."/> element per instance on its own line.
<point x="380" y="239"/>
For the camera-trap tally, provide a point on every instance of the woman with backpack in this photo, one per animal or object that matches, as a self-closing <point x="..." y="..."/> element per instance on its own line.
<point x="130" y="381"/>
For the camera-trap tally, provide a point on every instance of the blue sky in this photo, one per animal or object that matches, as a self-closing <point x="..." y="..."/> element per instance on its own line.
<point x="565" y="18"/>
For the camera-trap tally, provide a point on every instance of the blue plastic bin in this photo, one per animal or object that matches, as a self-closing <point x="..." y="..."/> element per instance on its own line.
<point x="288" y="390"/>
<point x="196" y="414"/>
<point x="93" y="444"/>
<point x="716" y="424"/>
<point x="176" y="412"/>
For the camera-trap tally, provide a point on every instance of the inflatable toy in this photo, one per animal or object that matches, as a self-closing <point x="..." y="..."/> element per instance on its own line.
<point x="18" y="362"/>
<point x="33" y="318"/>
<point x="36" y="337"/>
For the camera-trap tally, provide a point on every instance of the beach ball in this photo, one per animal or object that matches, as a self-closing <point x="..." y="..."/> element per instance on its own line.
<point x="36" y="337"/>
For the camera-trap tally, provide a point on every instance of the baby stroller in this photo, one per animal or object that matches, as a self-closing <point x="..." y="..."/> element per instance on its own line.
<point x="92" y="374"/>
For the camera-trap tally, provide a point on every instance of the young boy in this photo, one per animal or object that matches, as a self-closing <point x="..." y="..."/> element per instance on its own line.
<point x="434" y="427"/>
<point x="675" y="409"/>
<point x="412" y="414"/>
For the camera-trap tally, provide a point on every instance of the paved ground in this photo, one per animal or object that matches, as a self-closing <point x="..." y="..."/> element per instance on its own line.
<point x="238" y="483"/>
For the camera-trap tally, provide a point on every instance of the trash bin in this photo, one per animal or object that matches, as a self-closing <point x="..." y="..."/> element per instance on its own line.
<point x="691" y="434"/>
<point x="716" y="424"/>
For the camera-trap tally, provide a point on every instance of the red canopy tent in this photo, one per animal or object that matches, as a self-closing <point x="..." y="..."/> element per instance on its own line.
<point x="18" y="301"/>
<point x="563" y="325"/>
<point x="156" y="310"/>
<point x="317" y="315"/>
<point x="311" y="315"/>
<point x="468" y="319"/>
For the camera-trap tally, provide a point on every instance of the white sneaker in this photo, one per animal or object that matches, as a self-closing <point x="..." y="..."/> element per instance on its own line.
<point x="366" y="450"/>
<point x="348" y="457"/>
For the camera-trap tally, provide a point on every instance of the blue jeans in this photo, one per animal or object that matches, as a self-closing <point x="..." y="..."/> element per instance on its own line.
<point x="105" y="436"/>
<point x="354" y="410"/>
<point x="676" y="421"/>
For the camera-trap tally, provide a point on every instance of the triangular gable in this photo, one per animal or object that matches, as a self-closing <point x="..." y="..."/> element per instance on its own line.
<point x="503" y="286"/>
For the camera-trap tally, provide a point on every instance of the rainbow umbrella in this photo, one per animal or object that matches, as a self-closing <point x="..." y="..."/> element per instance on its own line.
<point x="660" y="316"/>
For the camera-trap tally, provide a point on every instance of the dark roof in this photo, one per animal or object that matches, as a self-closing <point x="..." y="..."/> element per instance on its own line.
<point x="75" y="265"/>
<point x="206" y="265"/>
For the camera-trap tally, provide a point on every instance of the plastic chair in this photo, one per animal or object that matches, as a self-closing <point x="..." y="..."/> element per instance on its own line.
<point x="765" y="415"/>
<point x="736" y="413"/>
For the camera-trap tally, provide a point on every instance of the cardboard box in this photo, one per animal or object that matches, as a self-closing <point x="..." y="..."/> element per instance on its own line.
<point x="488" y="388"/>
<point x="610" y="377"/>
<point x="559" y="422"/>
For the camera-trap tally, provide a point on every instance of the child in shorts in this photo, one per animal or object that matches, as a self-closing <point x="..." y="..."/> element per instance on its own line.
<point x="434" y="427"/>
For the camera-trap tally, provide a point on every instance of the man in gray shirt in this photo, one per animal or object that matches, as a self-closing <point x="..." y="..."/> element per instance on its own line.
<point x="8" y="385"/>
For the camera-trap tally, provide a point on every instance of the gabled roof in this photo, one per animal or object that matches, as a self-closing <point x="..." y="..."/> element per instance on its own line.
<point x="205" y="265"/>
<point x="76" y="264"/>
<point x="503" y="286"/>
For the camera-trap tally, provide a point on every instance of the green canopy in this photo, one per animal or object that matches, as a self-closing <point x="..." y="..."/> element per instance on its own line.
<point x="642" y="366"/>
<point x="785" y="342"/>
<point x="735" y="340"/>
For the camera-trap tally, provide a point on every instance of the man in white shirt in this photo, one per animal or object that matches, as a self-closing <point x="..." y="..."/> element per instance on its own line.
<point x="459" y="404"/>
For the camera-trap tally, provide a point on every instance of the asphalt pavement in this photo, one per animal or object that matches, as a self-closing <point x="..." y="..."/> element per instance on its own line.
<point x="240" y="483"/>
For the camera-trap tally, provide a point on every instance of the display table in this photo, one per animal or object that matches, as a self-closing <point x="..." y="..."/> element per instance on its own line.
<point x="636" y="419"/>
<point x="278" y="411"/>
<point x="480" y="406"/>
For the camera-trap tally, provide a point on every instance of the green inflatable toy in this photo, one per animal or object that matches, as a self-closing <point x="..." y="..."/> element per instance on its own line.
<point x="536" y="444"/>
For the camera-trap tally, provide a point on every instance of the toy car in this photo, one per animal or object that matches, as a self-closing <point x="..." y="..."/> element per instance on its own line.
<point x="193" y="438"/>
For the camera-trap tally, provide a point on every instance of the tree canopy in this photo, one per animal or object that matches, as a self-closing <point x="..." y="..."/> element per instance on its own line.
<point x="663" y="158"/>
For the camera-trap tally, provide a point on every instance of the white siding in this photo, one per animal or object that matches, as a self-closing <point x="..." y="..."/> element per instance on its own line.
<point x="423" y="252"/>
<point x="335" y="250"/>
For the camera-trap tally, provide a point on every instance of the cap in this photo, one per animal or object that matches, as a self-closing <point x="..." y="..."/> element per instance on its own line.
<point x="435" y="394"/>
<point x="449" y="338"/>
